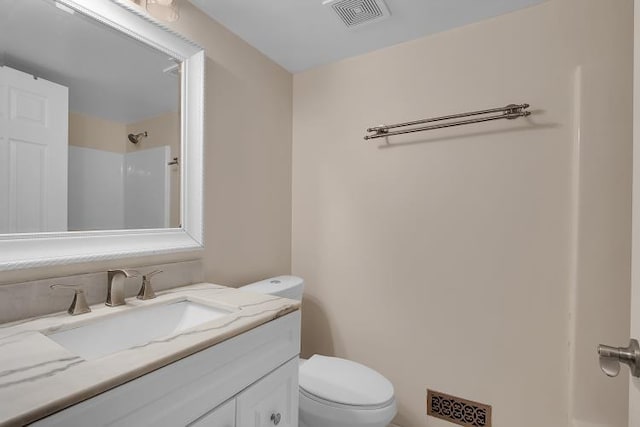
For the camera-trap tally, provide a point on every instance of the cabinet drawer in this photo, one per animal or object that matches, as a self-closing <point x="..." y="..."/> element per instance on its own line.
<point x="272" y="401"/>
<point x="223" y="416"/>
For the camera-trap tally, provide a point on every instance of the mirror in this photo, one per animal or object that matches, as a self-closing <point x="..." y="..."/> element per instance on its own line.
<point x="90" y="130"/>
<point x="100" y="133"/>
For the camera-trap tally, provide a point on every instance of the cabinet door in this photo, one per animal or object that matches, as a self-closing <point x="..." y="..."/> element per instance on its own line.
<point x="223" y="416"/>
<point x="272" y="401"/>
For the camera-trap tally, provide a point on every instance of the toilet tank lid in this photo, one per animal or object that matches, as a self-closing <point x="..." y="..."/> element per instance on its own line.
<point x="273" y="285"/>
<point x="345" y="382"/>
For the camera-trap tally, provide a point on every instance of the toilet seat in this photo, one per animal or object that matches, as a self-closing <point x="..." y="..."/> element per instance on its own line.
<point x="333" y="404"/>
<point x="316" y="414"/>
<point x="341" y="393"/>
<point x="343" y="383"/>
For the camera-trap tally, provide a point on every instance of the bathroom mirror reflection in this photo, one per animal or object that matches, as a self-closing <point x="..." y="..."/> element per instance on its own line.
<point x="89" y="125"/>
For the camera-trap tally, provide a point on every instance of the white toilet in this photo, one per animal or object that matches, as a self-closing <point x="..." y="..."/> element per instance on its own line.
<point x="334" y="392"/>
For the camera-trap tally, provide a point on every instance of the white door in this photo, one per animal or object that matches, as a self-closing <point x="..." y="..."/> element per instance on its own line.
<point x="34" y="121"/>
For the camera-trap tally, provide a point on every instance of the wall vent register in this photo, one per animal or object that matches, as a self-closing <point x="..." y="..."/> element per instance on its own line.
<point x="457" y="410"/>
<point x="355" y="13"/>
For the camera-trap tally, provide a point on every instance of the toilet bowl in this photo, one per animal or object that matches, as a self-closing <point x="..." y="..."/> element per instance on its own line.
<point x="341" y="393"/>
<point x="334" y="392"/>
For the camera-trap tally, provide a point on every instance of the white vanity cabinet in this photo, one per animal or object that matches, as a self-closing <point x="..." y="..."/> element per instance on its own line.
<point x="250" y="380"/>
<point x="222" y="416"/>
<point x="272" y="401"/>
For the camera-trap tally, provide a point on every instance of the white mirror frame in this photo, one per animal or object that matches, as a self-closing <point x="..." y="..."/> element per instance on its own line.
<point x="29" y="250"/>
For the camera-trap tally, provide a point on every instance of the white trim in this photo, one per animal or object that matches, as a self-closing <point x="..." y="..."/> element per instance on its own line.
<point x="167" y="187"/>
<point x="574" y="273"/>
<point x="21" y="251"/>
<point x="634" y="383"/>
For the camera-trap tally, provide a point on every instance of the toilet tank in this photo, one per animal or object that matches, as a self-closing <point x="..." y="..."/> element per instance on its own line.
<point x="291" y="287"/>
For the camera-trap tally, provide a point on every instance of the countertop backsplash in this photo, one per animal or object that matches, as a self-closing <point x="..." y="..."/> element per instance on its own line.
<point x="28" y="299"/>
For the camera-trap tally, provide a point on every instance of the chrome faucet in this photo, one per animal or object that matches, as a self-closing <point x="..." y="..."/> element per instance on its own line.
<point x="115" y="286"/>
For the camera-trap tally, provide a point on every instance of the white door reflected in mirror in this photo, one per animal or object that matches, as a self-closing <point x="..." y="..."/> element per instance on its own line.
<point x="33" y="153"/>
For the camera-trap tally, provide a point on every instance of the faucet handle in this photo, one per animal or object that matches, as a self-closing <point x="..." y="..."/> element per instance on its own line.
<point x="127" y="273"/>
<point x="146" y="291"/>
<point x="153" y="273"/>
<point x="79" y="304"/>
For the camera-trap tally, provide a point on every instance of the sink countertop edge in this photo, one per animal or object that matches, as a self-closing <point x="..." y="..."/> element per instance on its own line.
<point x="29" y="399"/>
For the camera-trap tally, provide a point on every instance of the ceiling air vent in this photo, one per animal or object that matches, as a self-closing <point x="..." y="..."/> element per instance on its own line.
<point x="358" y="12"/>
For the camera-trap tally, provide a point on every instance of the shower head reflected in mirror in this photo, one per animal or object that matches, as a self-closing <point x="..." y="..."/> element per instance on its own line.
<point x="137" y="137"/>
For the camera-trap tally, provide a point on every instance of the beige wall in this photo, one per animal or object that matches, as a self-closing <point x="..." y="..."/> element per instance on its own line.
<point x="162" y="130"/>
<point x="247" y="156"/>
<point x="247" y="163"/>
<point x="454" y="259"/>
<point x="99" y="134"/>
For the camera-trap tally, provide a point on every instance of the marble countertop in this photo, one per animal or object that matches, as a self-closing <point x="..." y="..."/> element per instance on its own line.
<point x="38" y="377"/>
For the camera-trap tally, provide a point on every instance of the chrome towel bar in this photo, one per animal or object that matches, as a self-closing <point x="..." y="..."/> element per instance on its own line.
<point x="510" y="112"/>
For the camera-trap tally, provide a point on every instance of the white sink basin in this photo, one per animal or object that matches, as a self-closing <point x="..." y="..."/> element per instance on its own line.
<point x="134" y="328"/>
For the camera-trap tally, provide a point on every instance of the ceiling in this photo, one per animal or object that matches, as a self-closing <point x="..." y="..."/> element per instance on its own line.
<point x="302" y="34"/>
<point x="109" y="75"/>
